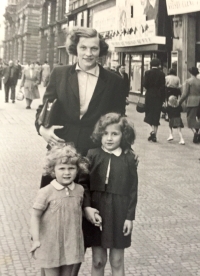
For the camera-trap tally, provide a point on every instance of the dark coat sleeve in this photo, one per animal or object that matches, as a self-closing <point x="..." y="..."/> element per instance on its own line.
<point x="134" y="187"/>
<point x="85" y="182"/>
<point x="50" y="94"/>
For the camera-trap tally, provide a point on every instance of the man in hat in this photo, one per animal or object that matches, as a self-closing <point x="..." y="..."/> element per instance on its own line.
<point x="10" y="77"/>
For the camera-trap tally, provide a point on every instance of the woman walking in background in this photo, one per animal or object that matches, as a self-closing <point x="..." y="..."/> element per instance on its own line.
<point x="30" y="81"/>
<point x="191" y="96"/>
<point x="172" y="86"/>
<point x="154" y="82"/>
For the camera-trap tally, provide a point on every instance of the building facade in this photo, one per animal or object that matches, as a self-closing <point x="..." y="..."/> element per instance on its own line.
<point x="136" y="31"/>
<point x="21" y="30"/>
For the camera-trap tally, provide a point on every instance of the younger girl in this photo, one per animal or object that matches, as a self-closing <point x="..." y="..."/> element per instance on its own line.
<point x="174" y="114"/>
<point x="56" y="222"/>
<point x="113" y="191"/>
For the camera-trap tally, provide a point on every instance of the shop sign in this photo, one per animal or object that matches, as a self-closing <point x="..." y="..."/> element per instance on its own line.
<point x="104" y="20"/>
<point x="182" y="6"/>
<point x="139" y="41"/>
<point x="135" y="11"/>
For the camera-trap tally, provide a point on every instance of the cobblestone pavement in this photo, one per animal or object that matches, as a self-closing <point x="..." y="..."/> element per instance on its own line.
<point x="166" y="234"/>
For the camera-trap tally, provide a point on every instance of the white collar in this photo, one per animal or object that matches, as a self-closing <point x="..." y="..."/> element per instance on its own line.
<point x="94" y="71"/>
<point x="59" y="187"/>
<point x="116" y="152"/>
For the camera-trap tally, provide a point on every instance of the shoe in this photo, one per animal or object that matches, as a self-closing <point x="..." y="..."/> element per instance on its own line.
<point x="154" y="139"/>
<point x="198" y="138"/>
<point x="6" y="101"/>
<point x="170" y="138"/>
<point x="195" y="138"/>
<point x="163" y="116"/>
<point x="13" y="101"/>
<point x="150" y="137"/>
<point x="182" y="142"/>
<point x="28" y="107"/>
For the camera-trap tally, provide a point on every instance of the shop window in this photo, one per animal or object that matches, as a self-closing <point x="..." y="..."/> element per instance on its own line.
<point x="135" y="73"/>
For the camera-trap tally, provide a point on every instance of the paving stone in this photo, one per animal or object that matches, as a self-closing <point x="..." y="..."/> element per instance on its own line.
<point x="166" y="232"/>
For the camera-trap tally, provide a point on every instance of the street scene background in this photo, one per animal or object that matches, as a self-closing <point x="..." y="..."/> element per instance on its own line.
<point x="166" y="233"/>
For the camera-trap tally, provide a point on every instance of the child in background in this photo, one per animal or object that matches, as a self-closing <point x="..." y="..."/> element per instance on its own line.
<point x="56" y="222"/>
<point x="174" y="114"/>
<point x="112" y="191"/>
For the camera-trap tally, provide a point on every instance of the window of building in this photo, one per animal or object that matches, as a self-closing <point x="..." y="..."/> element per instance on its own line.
<point x="49" y="13"/>
<point x="198" y="40"/>
<point x="66" y="6"/>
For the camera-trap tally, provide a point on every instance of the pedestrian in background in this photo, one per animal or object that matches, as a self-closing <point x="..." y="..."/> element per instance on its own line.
<point x="56" y="221"/>
<point x="154" y="82"/>
<point x="10" y="78"/>
<point x="191" y="95"/>
<point x="45" y="73"/>
<point x="112" y="191"/>
<point x="38" y="67"/>
<point x="1" y="75"/>
<point x="30" y="81"/>
<point x="121" y="72"/>
<point x="173" y="110"/>
<point x="172" y="83"/>
<point x="172" y="86"/>
<point x="19" y="67"/>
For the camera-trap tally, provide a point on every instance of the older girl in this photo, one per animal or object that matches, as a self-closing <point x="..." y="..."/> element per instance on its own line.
<point x="113" y="191"/>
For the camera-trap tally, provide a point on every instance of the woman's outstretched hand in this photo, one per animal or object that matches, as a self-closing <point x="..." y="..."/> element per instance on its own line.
<point x="128" y="226"/>
<point x="49" y="135"/>
<point x="35" y="245"/>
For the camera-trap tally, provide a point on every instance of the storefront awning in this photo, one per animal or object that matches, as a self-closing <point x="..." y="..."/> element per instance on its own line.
<point x="182" y="6"/>
<point x="142" y="48"/>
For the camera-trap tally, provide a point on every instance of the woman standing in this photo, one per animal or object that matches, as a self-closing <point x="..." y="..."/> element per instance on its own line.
<point x="191" y="96"/>
<point x="30" y="81"/>
<point x="154" y="82"/>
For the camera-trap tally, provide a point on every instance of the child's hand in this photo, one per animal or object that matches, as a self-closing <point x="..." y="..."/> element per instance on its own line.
<point x="90" y="214"/>
<point x="98" y="221"/>
<point x="128" y="226"/>
<point x="35" y="245"/>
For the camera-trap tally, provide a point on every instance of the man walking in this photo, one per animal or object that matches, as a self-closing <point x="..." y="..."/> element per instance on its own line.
<point x="10" y="75"/>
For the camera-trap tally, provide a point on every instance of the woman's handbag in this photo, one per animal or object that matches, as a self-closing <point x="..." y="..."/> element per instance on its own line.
<point x="48" y="114"/>
<point x="140" y="107"/>
<point x="20" y="95"/>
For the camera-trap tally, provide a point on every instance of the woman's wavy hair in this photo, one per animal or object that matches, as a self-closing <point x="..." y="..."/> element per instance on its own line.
<point x="64" y="154"/>
<point x="127" y="129"/>
<point x="74" y="36"/>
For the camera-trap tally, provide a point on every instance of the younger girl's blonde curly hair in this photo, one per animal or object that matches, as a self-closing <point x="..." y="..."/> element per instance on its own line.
<point x="64" y="154"/>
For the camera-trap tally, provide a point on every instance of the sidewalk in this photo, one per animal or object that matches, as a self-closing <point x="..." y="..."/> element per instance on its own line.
<point x="166" y="234"/>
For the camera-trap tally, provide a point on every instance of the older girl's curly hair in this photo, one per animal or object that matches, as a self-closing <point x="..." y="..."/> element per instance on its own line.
<point x="128" y="132"/>
<point x="64" y="154"/>
<point x="74" y="36"/>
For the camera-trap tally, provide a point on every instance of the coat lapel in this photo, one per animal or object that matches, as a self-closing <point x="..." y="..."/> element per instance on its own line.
<point x="73" y="82"/>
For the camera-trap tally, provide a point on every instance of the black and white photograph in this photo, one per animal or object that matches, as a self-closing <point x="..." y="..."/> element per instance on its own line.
<point x="99" y="138"/>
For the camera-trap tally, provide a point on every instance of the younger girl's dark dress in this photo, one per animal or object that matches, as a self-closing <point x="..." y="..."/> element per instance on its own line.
<point x="174" y="115"/>
<point x="116" y="200"/>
